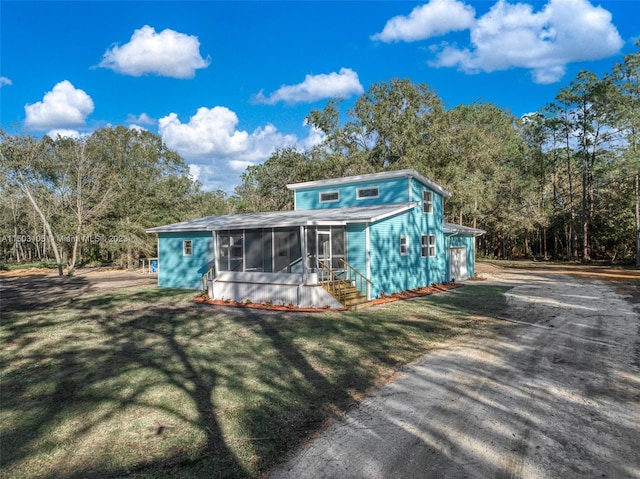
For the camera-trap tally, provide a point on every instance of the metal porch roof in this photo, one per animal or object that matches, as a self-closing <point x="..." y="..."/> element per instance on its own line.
<point x="276" y="219"/>
<point x="453" y="229"/>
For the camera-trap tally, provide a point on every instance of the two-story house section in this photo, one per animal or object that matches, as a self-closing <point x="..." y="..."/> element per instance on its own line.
<point x="347" y="241"/>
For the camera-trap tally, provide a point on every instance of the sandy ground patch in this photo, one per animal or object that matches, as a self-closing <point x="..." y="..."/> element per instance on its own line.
<point x="39" y="289"/>
<point x="556" y="393"/>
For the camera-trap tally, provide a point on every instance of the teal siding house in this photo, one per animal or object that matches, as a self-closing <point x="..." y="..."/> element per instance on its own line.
<point x="348" y="240"/>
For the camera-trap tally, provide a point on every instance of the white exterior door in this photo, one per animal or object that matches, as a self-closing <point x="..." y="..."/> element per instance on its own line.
<point x="324" y="248"/>
<point x="458" y="263"/>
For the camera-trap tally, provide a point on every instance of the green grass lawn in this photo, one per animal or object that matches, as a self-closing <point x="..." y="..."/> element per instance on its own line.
<point x="146" y="383"/>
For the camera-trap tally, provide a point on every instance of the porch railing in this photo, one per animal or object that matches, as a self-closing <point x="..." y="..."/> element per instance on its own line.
<point x="150" y="265"/>
<point x="331" y="281"/>
<point x="208" y="276"/>
<point x="338" y="284"/>
<point x="362" y="283"/>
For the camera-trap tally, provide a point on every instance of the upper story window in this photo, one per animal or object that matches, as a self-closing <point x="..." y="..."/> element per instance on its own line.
<point x="368" y="192"/>
<point x="404" y="245"/>
<point x="329" y="196"/>
<point x="428" y="246"/>
<point x="427" y="202"/>
<point x="187" y="248"/>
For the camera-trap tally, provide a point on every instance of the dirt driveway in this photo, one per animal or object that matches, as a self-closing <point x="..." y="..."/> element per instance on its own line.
<point x="554" y="394"/>
<point x="40" y="289"/>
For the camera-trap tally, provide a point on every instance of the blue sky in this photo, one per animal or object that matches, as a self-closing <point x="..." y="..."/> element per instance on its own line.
<point x="226" y="83"/>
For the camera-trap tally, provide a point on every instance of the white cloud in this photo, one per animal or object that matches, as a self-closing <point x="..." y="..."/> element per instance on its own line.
<point x="210" y="132"/>
<point x="168" y="53"/>
<point x="314" y="138"/>
<point x="513" y="35"/>
<point x="5" y="81"/>
<point x="63" y="107"/>
<point x="209" y="177"/>
<point x="64" y="133"/>
<point x="142" y="119"/>
<point x="217" y="152"/>
<point x="211" y="139"/>
<point x="194" y="172"/>
<point x="343" y="84"/>
<point x="239" y="165"/>
<point x="432" y="19"/>
<point x="138" y="128"/>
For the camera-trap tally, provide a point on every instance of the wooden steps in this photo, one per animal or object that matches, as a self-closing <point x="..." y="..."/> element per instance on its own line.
<point x="345" y="285"/>
<point x="349" y="295"/>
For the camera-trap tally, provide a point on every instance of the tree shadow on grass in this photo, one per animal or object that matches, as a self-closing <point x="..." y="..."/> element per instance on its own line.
<point x="330" y="362"/>
<point x="301" y="390"/>
<point x="477" y="299"/>
<point x="38" y="292"/>
<point x="230" y="390"/>
<point x="59" y="394"/>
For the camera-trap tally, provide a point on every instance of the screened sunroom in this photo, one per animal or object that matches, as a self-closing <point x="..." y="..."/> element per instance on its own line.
<point x="283" y="257"/>
<point x="281" y="250"/>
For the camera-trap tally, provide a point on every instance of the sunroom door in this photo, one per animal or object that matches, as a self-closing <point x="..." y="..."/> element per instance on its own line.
<point x="323" y="254"/>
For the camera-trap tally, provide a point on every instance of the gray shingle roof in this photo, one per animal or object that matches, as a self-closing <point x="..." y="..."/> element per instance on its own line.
<point x="325" y="216"/>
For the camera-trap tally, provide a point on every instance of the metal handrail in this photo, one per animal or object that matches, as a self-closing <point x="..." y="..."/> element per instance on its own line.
<point x="208" y="276"/>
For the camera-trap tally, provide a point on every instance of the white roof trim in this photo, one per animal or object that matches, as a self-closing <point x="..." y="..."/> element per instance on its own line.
<point x="451" y="228"/>
<point x="405" y="207"/>
<point x="385" y="175"/>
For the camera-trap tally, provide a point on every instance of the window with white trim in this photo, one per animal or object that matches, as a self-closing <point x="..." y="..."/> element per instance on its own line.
<point x="329" y="196"/>
<point x="231" y="251"/>
<point x="368" y="192"/>
<point x="427" y="202"/>
<point x="187" y="248"/>
<point x="404" y="245"/>
<point x="428" y="246"/>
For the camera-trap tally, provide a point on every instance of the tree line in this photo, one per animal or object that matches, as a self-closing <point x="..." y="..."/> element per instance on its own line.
<point x="558" y="183"/>
<point x="90" y="200"/>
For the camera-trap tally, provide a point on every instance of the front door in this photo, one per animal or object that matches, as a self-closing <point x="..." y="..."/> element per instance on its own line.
<point x="457" y="263"/>
<point x="323" y="254"/>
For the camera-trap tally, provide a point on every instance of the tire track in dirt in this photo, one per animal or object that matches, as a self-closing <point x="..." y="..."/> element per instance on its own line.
<point x="554" y="394"/>
<point x="30" y="291"/>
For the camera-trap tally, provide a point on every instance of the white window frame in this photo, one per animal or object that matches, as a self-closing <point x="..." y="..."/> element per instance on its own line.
<point x="187" y="247"/>
<point x="404" y="245"/>
<point x="335" y="192"/>
<point x="428" y="246"/>
<point x="360" y="197"/>
<point x="427" y="204"/>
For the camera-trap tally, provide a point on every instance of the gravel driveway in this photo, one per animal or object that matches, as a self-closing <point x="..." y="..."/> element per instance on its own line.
<point x="42" y="289"/>
<point x="554" y="394"/>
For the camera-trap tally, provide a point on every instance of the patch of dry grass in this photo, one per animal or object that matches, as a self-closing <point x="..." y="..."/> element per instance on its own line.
<point x="146" y="383"/>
